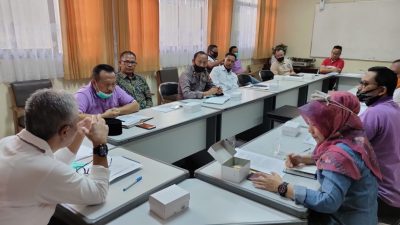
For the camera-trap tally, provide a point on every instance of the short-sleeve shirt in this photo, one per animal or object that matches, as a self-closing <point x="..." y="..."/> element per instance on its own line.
<point x="90" y="103"/>
<point x="224" y="79"/>
<point x="282" y="68"/>
<point x="339" y="63"/>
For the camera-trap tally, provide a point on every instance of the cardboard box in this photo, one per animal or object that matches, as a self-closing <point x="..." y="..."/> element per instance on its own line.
<point x="233" y="169"/>
<point x="291" y="128"/>
<point x="169" y="201"/>
<point x="192" y="107"/>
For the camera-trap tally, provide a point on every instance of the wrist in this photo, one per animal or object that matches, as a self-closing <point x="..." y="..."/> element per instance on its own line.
<point x="97" y="143"/>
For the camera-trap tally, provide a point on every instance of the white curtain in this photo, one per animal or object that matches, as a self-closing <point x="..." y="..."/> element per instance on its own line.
<point x="243" y="30"/>
<point x="30" y="40"/>
<point x="183" y="31"/>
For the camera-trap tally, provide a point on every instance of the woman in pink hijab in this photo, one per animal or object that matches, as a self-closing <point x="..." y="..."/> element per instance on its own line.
<point x="347" y="167"/>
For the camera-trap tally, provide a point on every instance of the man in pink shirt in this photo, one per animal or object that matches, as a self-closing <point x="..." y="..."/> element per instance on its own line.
<point x="334" y="63"/>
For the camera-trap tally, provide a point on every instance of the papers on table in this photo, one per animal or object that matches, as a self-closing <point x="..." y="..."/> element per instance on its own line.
<point x="258" y="86"/>
<point x="166" y="108"/>
<point x="131" y="120"/>
<point x="219" y="100"/>
<point x="118" y="165"/>
<point x="262" y="163"/>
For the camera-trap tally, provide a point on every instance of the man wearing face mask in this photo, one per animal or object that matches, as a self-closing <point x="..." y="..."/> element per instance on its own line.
<point x="223" y="76"/>
<point x="212" y="51"/>
<point x="381" y="123"/>
<point x="102" y="95"/>
<point x="195" y="81"/>
<point x="282" y="66"/>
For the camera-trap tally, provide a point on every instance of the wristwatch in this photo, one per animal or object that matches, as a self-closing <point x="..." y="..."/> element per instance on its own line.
<point x="101" y="150"/>
<point x="282" y="189"/>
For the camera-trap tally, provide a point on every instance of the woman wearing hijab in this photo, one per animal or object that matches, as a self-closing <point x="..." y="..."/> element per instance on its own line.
<point x="347" y="167"/>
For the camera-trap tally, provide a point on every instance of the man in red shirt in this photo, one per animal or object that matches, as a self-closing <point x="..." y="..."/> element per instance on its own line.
<point x="334" y="63"/>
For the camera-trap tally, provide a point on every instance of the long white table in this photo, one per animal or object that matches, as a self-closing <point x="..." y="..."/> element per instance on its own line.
<point x="210" y="205"/>
<point x="156" y="175"/>
<point x="267" y="144"/>
<point x="178" y="134"/>
<point x="348" y="81"/>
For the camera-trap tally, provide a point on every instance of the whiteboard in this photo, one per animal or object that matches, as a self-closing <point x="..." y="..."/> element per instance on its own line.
<point x="367" y="30"/>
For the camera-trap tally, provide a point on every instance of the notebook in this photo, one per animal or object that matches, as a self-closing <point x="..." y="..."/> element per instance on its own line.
<point x="217" y="100"/>
<point x="308" y="171"/>
<point x="119" y="166"/>
<point x="131" y="120"/>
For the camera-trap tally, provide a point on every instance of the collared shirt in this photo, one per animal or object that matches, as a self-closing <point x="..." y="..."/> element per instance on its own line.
<point x="224" y="79"/>
<point x="339" y="63"/>
<point x="90" y="103"/>
<point x="346" y="201"/>
<point x="193" y="84"/>
<point x="137" y="87"/>
<point x="381" y="122"/>
<point x="237" y="67"/>
<point x="282" y="68"/>
<point x="33" y="180"/>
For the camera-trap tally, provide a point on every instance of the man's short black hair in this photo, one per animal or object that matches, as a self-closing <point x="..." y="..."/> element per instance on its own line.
<point x="385" y="77"/>
<point x="198" y="53"/>
<point x="97" y="69"/>
<point x="210" y="47"/>
<point x="231" y="48"/>
<point x="231" y="54"/>
<point x="337" y="47"/>
<point x="396" y="61"/>
<point x="127" y="53"/>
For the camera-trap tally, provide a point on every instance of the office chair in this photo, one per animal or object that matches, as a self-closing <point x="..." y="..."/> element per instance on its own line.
<point x="168" y="92"/>
<point x="20" y="92"/>
<point x="266" y="75"/>
<point x="244" y="79"/>
<point x="168" y="74"/>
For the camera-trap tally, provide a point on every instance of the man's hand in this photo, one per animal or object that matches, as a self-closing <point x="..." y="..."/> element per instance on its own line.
<point x="212" y="91"/>
<point x="111" y="113"/>
<point x="98" y="131"/>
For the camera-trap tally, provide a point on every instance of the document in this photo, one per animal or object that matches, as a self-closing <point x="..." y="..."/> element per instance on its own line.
<point x="308" y="171"/>
<point x="217" y="100"/>
<point x="262" y="163"/>
<point x="258" y="86"/>
<point x="119" y="166"/>
<point x="131" y="120"/>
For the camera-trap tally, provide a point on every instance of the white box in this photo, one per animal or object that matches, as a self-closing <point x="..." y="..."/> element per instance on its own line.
<point x="169" y="201"/>
<point x="237" y="95"/>
<point x="293" y="78"/>
<point x="309" y="76"/>
<point x="233" y="169"/>
<point x="291" y="128"/>
<point x="192" y="107"/>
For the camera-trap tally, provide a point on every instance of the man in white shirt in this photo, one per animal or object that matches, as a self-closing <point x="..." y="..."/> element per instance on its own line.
<point x="223" y="76"/>
<point x="35" y="164"/>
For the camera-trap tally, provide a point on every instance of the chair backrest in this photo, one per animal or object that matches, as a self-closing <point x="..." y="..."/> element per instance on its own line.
<point x="244" y="79"/>
<point x="168" y="92"/>
<point x="168" y="74"/>
<point x="23" y="89"/>
<point x="266" y="75"/>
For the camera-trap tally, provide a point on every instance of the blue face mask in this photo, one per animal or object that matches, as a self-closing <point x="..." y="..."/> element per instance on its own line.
<point x="102" y="95"/>
<point x="237" y="55"/>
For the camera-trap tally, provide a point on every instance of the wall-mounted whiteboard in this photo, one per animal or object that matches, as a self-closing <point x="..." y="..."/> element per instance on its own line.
<point x="367" y="30"/>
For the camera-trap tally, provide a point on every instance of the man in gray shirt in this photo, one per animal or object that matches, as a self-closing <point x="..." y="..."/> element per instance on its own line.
<point x="195" y="82"/>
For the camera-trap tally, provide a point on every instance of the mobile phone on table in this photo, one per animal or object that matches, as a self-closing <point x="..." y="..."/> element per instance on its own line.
<point x="146" y="126"/>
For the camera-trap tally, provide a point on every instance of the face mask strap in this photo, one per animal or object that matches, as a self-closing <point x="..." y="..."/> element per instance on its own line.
<point x="324" y="97"/>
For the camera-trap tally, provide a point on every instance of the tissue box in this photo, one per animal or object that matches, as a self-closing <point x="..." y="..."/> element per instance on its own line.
<point x="169" y="201"/>
<point x="233" y="169"/>
<point x="236" y="95"/>
<point x="291" y="129"/>
<point x="192" y="107"/>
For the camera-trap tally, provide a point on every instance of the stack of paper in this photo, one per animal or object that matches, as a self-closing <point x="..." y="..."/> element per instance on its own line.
<point x="131" y="120"/>
<point x="308" y="171"/>
<point x="217" y="100"/>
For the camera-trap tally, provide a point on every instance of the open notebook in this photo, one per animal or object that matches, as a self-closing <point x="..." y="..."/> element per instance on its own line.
<point x="308" y="171"/>
<point x="131" y="120"/>
<point x="217" y="100"/>
<point x="119" y="166"/>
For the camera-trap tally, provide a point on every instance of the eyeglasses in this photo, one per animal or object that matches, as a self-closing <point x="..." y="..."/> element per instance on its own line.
<point x="364" y="84"/>
<point x="127" y="62"/>
<point x="87" y="170"/>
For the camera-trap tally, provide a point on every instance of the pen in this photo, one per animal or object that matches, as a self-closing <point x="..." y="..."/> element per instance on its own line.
<point x="139" y="178"/>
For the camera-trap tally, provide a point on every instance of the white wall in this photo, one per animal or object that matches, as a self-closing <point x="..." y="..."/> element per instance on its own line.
<point x="294" y="27"/>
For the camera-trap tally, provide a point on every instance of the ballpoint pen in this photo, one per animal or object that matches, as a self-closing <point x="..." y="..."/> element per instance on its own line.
<point x="139" y="178"/>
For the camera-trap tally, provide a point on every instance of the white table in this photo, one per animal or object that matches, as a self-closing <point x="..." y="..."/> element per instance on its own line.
<point x="156" y="175"/>
<point x="210" y="205"/>
<point x="266" y="144"/>
<point x="178" y="134"/>
<point x="348" y="81"/>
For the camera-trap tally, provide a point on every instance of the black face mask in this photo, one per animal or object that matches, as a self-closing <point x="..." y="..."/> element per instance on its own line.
<point x="199" y="69"/>
<point x="280" y="59"/>
<point x="366" y="98"/>
<point x="214" y="54"/>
